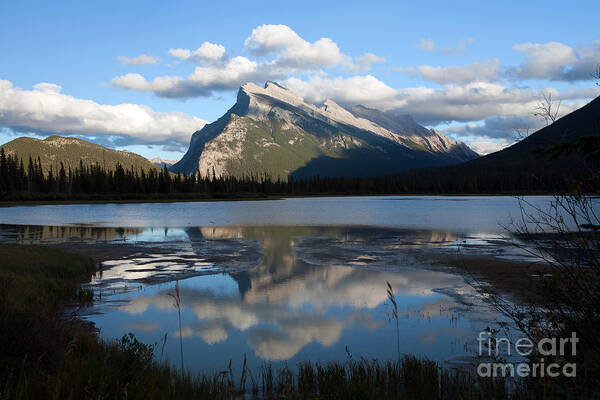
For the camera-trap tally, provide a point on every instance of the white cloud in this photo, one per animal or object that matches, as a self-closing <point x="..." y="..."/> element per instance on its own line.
<point x="204" y="80"/>
<point x="479" y="71"/>
<point x="544" y="60"/>
<point x="268" y="39"/>
<point x="210" y="51"/>
<point x="291" y="56"/>
<point x="46" y="110"/>
<point x="498" y="131"/>
<point x="291" y="50"/>
<point x="468" y="102"/>
<point x="139" y="60"/>
<point x="182" y="54"/>
<point x="552" y="61"/>
<point x="476" y="92"/>
<point x="474" y="101"/>
<point x="556" y="61"/>
<point x="46" y="87"/>
<point x="206" y="53"/>
<point x="364" y="63"/>
<point x="238" y="69"/>
<point x="366" y="90"/>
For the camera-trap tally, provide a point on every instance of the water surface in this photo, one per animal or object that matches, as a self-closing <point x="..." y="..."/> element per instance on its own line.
<point x="461" y="214"/>
<point x="282" y="281"/>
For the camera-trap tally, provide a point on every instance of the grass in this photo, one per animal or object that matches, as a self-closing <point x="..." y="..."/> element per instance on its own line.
<point x="47" y="354"/>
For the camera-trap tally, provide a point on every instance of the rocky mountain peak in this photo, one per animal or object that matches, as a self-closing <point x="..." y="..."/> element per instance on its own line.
<point x="271" y="91"/>
<point x="272" y="130"/>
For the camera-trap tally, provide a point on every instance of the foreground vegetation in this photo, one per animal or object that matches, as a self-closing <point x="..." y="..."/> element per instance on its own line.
<point x="565" y="240"/>
<point x="47" y="354"/>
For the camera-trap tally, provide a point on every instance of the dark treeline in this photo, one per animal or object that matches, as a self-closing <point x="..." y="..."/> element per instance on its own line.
<point x="26" y="180"/>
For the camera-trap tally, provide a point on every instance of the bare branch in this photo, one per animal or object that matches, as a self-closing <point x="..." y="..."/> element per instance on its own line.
<point x="521" y="133"/>
<point x="547" y="108"/>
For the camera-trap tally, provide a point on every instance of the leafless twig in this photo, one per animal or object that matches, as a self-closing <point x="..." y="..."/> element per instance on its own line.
<point x="547" y="108"/>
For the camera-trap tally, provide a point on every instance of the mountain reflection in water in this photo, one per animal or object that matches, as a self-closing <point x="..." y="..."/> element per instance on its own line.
<point x="286" y="293"/>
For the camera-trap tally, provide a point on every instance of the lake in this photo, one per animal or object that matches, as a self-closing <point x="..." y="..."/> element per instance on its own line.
<point x="283" y="281"/>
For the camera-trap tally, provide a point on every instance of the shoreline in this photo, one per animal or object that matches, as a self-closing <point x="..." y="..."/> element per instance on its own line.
<point x="20" y="203"/>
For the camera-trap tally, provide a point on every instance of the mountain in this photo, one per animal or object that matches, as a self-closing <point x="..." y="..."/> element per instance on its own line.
<point x="71" y="151"/>
<point x="584" y="121"/>
<point x="521" y="167"/>
<point x="159" y="162"/>
<point x="273" y="131"/>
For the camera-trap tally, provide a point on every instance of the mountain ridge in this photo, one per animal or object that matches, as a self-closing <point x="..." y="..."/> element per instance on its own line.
<point x="585" y="121"/>
<point x="161" y="162"/>
<point x="71" y="151"/>
<point x="528" y="165"/>
<point x="271" y="130"/>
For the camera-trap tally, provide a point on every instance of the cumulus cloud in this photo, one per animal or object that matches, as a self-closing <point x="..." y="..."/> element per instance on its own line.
<point x="473" y="101"/>
<point x="552" y="61"/>
<point x="544" y="60"/>
<point x="500" y="110"/>
<point x="268" y="39"/>
<point x="139" y="60"/>
<point x="206" y="53"/>
<point x="366" y="90"/>
<point x="556" y="61"/>
<point x="292" y="51"/>
<point x="479" y="71"/>
<point x="473" y="94"/>
<point x="44" y="87"/>
<point x="46" y="110"/>
<point x="477" y="101"/>
<point x="281" y="53"/>
<point x="204" y="80"/>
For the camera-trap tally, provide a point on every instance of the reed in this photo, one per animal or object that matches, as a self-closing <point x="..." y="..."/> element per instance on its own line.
<point x="176" y="296"/>
<point x="395" y="315"/>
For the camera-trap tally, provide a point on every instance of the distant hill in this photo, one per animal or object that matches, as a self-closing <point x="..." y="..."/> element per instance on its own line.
<point x="272" y="131"/>
<point x="582" y="122"/>
<point x="71" y="151"/>
<point x="520" y="167"/>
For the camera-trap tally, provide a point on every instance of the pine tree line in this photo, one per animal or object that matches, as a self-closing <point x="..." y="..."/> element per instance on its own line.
<point x="21" y="179"/>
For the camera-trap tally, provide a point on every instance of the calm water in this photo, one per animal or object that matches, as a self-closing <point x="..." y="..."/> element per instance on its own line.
<point x="457" y="214"/>
<point x="281" y="281"/>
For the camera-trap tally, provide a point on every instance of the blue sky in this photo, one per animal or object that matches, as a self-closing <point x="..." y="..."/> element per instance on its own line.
<point x="381" y="54"/>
